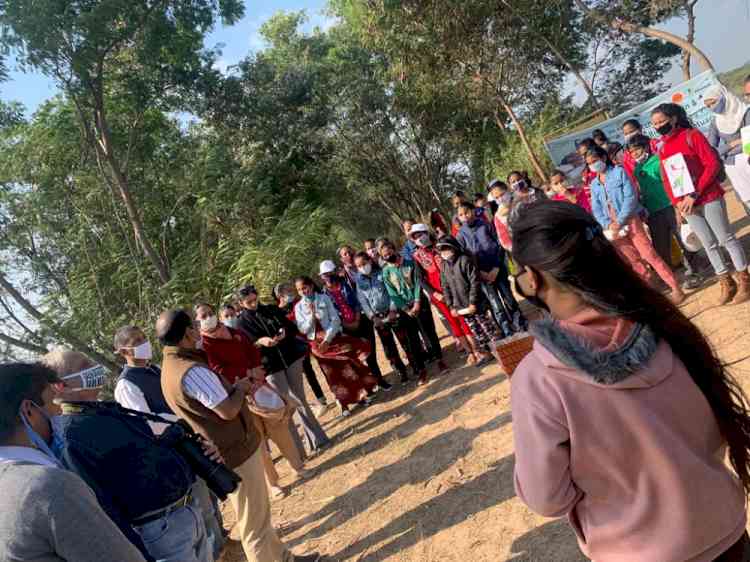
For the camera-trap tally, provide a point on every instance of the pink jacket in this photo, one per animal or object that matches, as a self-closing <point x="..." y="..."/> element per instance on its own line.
<point x="611" y="430"/>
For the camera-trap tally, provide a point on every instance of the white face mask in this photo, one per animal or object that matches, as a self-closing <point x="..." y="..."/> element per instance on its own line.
<point x="231" y="322"/>
<point x="447" y="256"/>
<point x="208" y="324"/>
<point x="143" y="351"/>
<point x="366" y="269"/>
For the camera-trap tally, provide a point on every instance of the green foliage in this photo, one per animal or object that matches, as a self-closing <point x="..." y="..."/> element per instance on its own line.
<point x="734" y="80"/>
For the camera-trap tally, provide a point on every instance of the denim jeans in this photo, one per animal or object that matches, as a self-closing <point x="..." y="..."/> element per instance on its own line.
<point x="210" y="510"/>
<point x="177" y="537"/>
<point x="711" y="225"/>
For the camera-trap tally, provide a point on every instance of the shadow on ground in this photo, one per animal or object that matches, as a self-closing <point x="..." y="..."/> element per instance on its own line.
<point x="543" y="544"/>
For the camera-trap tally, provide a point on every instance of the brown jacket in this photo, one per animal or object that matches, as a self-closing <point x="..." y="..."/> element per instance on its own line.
<point x="236" y="439"/>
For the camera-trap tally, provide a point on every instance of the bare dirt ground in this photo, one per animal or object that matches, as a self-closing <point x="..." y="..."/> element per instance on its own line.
<point x="426" y="474"/>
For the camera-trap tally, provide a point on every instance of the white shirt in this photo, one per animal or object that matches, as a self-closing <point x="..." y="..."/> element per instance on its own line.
<point x="204" y="386"/>
<point x="25" y="454"/>
<point x="130" y="396"/>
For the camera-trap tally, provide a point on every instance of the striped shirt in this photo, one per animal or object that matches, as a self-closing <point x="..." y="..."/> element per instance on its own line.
<point x="204" y="386"/>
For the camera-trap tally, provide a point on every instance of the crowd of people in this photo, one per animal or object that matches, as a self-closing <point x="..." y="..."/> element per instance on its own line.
<point x="621" y="412"/>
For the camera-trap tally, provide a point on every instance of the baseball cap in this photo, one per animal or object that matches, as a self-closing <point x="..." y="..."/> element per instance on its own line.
<point x="327" y="266"/>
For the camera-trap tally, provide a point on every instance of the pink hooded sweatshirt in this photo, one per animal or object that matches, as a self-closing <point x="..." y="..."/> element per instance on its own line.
<point x="610" y="430"/>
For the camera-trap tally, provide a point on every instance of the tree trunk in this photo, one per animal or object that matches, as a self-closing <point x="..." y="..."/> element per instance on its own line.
<point x="538" y="168"/>
<point x="686" y="57"/>
<point x="585" y="84"/>
<point x="104" y="147"/>
<point x="26" y="346"/>
<point x="37" y="315"/>
<point x="629" y="27"/>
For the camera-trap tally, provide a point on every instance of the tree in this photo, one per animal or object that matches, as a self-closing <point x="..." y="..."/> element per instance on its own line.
<point x="140" y="55"/>
<point x="635" y="16"/>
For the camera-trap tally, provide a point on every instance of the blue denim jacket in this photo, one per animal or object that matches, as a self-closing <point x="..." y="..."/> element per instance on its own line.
<point x="620" y="193"/>
<point x="123" y="463"/>
<point x="326" y="313"/>
<point x="373" y="294"/>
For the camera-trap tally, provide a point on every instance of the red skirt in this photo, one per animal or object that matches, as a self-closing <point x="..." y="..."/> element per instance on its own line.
<point x="343" y="365"/>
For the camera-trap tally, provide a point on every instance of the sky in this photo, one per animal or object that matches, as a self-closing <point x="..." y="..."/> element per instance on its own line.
<point x="722" y="33"/>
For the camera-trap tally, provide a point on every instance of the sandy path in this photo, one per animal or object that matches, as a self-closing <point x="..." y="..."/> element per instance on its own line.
<point x="426" y="474"/>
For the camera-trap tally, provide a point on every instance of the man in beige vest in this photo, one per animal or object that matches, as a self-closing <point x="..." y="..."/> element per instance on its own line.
<point x="218" y="411"/>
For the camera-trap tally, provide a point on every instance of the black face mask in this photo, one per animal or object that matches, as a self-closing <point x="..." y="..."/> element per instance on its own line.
<point x="393" y="258"/>
<point x="665" y="129"/>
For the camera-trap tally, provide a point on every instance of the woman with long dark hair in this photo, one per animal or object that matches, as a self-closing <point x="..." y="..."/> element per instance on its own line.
<point x="342" y="358"/>
<point x="615" y="206"/>
<point x="622" y="413"/>
<point x="705" y="208"/>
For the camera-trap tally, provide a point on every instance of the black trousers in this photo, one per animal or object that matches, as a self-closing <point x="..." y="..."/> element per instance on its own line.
<point x="366" y="331"/>
<point x="312" y="380"/>
<point x="388" y="333"/>
<point x="426" y="322"/>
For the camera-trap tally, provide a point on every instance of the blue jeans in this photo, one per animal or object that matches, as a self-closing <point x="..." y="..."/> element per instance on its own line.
<point x="177" y="537"/>
<point x="209" y="508"/>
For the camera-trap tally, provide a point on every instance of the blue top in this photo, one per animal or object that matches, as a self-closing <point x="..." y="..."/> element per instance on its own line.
<point x="479" y="240"/>
<point x="619" y="192"/>
<point x="324" y="311"/>
<point x="407" y="252"/>
<point x="373" y="294"/>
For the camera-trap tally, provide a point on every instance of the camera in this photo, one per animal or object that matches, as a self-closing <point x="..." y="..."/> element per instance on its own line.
<point x="221" y="480"/>
<point x="178" y="436"/>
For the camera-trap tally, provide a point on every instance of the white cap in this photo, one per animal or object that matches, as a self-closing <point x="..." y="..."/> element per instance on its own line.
<point x="417" y="228"/>
<point x="327" y="266"/>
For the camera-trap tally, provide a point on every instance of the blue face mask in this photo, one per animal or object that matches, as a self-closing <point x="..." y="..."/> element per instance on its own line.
<point x="54" y="449"/>
<point x="309" y="298"/>
<point x="720" y="105"/>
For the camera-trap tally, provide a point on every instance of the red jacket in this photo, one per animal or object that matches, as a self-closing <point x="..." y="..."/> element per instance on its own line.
<point x="701" y="160"/>
<point x="233" y="357"/>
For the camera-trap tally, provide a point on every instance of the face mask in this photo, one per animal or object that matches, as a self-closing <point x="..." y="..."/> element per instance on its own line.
<point x="599" y="166"/>
<point x="629" y="136"/>
<point x="423" y="240"/>
<point x="209" y="323"/>
<point x="52" y="450"/>
<point x="93" y="377"/>
<point x="447" y="256"/>
<point x="642" y="158"/>
<point x="665" y="129"/>
<point x="143" y="351"/>
<point x="308" y="298"/>
<point x="366" y="269"/>
<point x="393" y="258"/>
<point x="373" y="253"/>
<point x="231" y="322"/>
<point x="720" y="105"/>
<point x="518" y="185"/>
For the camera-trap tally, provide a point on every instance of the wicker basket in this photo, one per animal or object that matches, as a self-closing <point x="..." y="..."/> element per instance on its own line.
<point x="512" y="350"/>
